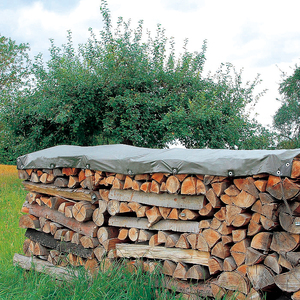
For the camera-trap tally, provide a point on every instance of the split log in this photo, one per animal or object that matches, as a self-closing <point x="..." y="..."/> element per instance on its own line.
<point x="153" y="216"/>
<point x="112" y="243"/>
<point x="238" y="235"/>
<point x="268" y="224"/>
<point x="188" y="186"/>
<point x="155" y="187"/>
<point x="244" y="199"/>
<point x="169" y="267"/>
<point x="22" y="174"/>
<point x="26" y="244"/>
<point x="295" y="169"/>
<point x="232" y="191"/>
<point x="145" y="187"/>
<point x="61" y="182"/>
<point x="174" y="254"/>
<point x="136" y="185"/>
<point x="127" y="183"/>
<point x="241" y="220"/>
<point x="207" y="210"/>
<point x="233" y="281"/>
<point x="165" y="200"/>
<point x="220" y="250"/>
<point x="231" y="212"/>
<point x="221" y="214"/>
<point x="87" y="228"/>
<point x="208" y="179"/>
<point x="215" y="265"/>
<point x="134" y="206"/>
<point x="76" y="238"/>
<point x="69" y="235"/>
<point x="171" y="240"/>
<point x="49" y="189"/>
<point x="83" y="211"/>
<point x="261" y="277"/>
<point x="289" y="223"/>
<point x="247" y="184"/>
<point x="261" y="185"/>
<point x="73" y="182"/>
<point x="211" y="236"/>
<point x="159" y="177"/>
<point x="262" y="241"/>
<point x="229" y="264"/>
<point x="188" y="214"/>
<point x="145" y="235"/>
<point x="34" y="177"/>
<point x="290" y="189"/>
<point x="213" y="199"/>
<point x="224" y="229"/>
<point x="238" y="251"/>
<point x="271" y="261"/>
<point x="220" y="187"/>
<point x="63" y="206"/>
<point x="284" y="242"/>
<point x="29" y="221"/>
<point x="60" y="233"/>
<point x="180" y="271"/>
<point x="92" y="267"/>
<point x="192" y="239"/>
<point x="183" y="242"/>
<point x="202" y="244"/>
<point x="54" y="227"/>
<point x="154" y="240"/>
<point x="118" y="184"/>
<point x="203" y="224"/>
<point x="253" y="257"/>
<point x="164" y="211"/>
<point x="100" y="253"/>
<point x="284" y="262"/>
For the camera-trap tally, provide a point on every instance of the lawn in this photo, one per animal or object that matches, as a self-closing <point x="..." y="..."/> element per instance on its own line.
<point x="16" y="283"/>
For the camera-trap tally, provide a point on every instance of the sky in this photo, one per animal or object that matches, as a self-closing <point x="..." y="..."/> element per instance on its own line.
<point x="258" y="36"/>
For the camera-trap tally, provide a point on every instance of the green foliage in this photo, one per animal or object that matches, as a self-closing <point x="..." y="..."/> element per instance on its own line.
<point x="125" y="87"/>
<point x="287" y="117"/>
<point x="14" y="78"/>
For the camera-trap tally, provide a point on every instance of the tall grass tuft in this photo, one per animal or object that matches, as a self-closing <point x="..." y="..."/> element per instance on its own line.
<point x="16" y="283"/>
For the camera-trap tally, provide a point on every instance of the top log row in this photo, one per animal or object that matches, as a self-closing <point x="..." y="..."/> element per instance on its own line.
<point x="212" y="187"/>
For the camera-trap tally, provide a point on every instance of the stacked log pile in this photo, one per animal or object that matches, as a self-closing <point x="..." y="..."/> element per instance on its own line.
<point x="227" y="234"/>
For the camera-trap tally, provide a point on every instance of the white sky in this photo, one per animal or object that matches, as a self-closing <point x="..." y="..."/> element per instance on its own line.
<point x="260" y="36"/>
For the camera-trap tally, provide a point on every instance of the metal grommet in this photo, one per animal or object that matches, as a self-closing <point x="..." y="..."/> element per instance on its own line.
<point x="278" y="173"/>
<point x="88" y="166"/>
<point x="94" y="197"/>
<point x="287" y="164"/>
<point x="52" y="166"/>
<point x="230" y="173"/>
<point x="129" y="172"/>
<point x="175" y="171"/>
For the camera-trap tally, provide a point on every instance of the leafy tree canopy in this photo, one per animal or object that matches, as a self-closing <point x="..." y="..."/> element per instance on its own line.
<point x="287" y="117"/>
<point x="125" y="87"/>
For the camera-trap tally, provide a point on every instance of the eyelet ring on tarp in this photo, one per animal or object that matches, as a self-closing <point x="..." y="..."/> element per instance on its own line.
<point x="174" y="171"/>
<point x="129" y="172"/>
<point x="52" y="166"/>
<point x="230" y="173"/>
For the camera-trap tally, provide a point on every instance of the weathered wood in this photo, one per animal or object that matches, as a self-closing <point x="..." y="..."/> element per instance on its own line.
<point x="169" y="267"/>
<point x="89" y="242"/>
<point x="215" y="265"/>
<point x="48" y="241"/>
<point x="271" y="261"/>
<point x="87" y="228"/>
<point x="49" y="189"/>
<point x="253" y="256"/>
<point x="220" y="250"/>
<point x="238" y="235"/>
<point x="174" y="254"/>
<point x="289" y="223"/>
<point x="261" y="277"/>
<point x="100" y="253"/>
<point x="165" y="200"/>
<point x="171" y="240"/>
<point x="187" y="214"/>
<point x="213" y="198"/>
<point x="244" y="199"/>
<point x="29" y="221"/>
<point x="154" y="240"/>
<point x="192" y="239"/>
<point x="145" y="235"/>
<point x="241" y="220"/>
<point x="211" y="236"/>
<point x="247" y="184"/>
<point x="183" y="242"/>
<point x="284" y="242"/>
<point x="164" y="211"/>
<point x="233" y="281"/>
<point x="32" y="263"/>
<point x="180" y="271"/>
<point x="98" y="217"/>
<point x="153" y="216"/>
<point x="202" y="244"/>
<point x="178" y="226"/>
<point x="229" y="264"/>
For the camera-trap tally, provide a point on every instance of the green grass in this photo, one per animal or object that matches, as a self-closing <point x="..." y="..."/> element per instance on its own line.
<point x="16" y="283"/>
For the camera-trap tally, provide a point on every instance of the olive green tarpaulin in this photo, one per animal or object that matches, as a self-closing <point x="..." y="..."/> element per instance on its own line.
<point x="131" y="160"/>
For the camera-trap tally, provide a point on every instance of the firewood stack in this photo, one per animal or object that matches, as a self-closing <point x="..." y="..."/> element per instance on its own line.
<point x="225" y="234"/>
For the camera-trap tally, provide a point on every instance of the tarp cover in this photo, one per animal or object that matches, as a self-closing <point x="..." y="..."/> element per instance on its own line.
<point x="130" y="160"/>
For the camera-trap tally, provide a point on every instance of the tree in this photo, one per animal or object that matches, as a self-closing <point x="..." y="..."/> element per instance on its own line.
<point x="124" y="88"/>
<point x="287" y="117"/>
<point x="14" y="77"/>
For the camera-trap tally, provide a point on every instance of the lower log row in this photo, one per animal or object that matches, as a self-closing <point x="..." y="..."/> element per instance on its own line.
<point x="259" y="276"/>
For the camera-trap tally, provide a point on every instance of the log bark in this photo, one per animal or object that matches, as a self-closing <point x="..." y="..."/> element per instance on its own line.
<point x="48" y="241"/>
<point x="165" y="200"/>
<point x="88" y="228"/>
<point x="174" y="254"/>
<point x="48" y="189"/>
